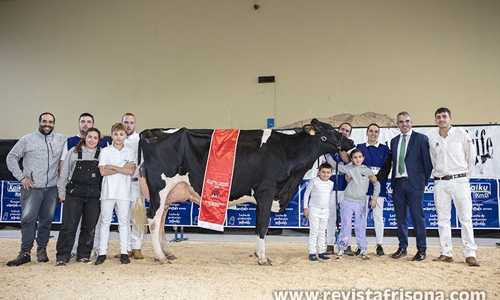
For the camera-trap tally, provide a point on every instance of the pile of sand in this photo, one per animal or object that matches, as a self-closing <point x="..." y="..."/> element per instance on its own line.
<point x="359" y="120"/>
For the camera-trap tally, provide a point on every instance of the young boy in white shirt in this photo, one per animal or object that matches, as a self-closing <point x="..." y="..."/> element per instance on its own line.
<point x="316" y="209"/>
<point x="117" y="165"/>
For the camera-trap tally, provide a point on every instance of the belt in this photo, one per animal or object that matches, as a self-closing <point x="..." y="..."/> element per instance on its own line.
<point x="448" y="177"/>
<point x="135" y="179"/>
<point x="402" y="178"/>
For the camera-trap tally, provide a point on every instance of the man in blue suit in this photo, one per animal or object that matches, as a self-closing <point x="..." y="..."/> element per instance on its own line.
<point x="412" y="167"/>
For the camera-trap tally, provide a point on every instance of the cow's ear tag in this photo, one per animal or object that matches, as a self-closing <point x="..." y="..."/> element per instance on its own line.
<point x="309" y="129"/>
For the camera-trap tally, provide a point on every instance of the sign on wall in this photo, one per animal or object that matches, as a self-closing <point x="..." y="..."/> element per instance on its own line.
<point x="484" y="191"/>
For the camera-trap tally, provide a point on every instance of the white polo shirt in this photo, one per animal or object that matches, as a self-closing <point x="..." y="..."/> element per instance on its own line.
<point x="116" y="186"/>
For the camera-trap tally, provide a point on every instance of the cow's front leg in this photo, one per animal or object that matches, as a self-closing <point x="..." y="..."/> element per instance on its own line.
<point x="262" y="225"/>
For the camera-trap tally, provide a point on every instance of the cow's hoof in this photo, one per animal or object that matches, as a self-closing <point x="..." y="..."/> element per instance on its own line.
<point x="171" y="257"/>
<point x="162" y="261"/>
<point x="266" y="262"/>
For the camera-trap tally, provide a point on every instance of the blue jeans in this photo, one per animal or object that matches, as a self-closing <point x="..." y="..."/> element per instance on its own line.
<point x="37" y="205"/>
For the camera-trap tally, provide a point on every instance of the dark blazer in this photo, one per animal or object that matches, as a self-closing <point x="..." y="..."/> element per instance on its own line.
<point x="418" y="160"/>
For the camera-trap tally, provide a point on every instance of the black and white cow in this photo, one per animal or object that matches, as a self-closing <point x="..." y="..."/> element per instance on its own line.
<point x="269" y="165"/>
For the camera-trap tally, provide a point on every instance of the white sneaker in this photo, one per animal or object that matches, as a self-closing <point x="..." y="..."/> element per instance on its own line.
<point x="340" y="254"/>
<point x="364" y="255"/>
<point x="85" y="261"/>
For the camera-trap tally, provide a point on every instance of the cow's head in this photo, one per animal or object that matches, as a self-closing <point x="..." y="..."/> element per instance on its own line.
<point x="328" y="134"/>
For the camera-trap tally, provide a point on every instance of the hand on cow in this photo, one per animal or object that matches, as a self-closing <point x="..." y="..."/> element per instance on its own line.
<point x="373" y="179"/>
<point x="306" y="212"/>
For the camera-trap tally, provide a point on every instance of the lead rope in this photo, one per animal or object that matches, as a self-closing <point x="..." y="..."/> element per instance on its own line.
<point x="325" y="139"/>
<point x="337" y="206"/>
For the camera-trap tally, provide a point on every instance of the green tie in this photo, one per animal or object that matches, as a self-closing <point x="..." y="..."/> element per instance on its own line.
<point x="402" y="152"/>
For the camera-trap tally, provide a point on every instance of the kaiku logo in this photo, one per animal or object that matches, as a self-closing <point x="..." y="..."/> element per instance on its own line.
<point x="14" y="187"/>
<point x="480" y="190"/>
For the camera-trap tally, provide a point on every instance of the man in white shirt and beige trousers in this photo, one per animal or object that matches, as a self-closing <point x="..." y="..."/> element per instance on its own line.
<point x="136" y="235"/>
<point x="453" y="157"/>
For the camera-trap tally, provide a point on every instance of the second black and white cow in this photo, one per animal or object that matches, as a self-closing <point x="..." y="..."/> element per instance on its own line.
<point x="269" y="166"/>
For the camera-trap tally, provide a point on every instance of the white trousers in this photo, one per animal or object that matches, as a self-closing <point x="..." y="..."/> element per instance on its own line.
<point x="332" y="218"/>
<point x="97" y="235"/>
<point x="458" y="190"/>
<point x="134" y="238"/>
<point x="318" y="219"/>
<point x="378" y="219"/>
<point x="123" y="214"/>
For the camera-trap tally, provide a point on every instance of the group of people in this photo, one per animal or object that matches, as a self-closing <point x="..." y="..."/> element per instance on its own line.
<point x="448" y="155"/>
<point x="91" y="178"/>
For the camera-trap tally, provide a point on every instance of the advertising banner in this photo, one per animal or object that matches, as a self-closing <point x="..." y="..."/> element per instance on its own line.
<point x="242" y="215"/>
<point x="11" y="201"/>
<point x="484" y="192"/>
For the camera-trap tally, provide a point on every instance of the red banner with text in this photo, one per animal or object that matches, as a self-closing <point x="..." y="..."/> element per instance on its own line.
<point x="218" y="177"/>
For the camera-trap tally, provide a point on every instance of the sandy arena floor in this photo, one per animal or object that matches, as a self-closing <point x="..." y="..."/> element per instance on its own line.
<point x="228" y="270"/>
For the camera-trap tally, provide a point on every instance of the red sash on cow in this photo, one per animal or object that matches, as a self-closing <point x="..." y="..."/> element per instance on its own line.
<point x="218" y="177"/>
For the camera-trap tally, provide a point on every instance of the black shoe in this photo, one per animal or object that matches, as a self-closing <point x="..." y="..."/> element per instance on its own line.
<point x="399" y="253"/>
<point x="124" y="259"/>
<point x="348" y="251"/>
<point x="22" y="258"/>
<point x="419" y="256"/>
<point x="323" y="256"/>
<point x="358" y="251"/>
<point x="41" y="255"/>
<point x="313" y="258"/>
<point x="130" y="254"/>
<point x="330" y="249"/>
<point x="380" y="250"/>
<point x="100" y="259"/>
<point x="60" y="263"/>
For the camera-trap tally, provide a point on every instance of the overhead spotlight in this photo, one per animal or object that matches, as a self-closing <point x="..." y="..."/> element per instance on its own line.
<point x="256" y="6"/>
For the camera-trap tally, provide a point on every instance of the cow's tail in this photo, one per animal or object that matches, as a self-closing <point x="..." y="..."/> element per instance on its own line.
<point x="139" y="214"/>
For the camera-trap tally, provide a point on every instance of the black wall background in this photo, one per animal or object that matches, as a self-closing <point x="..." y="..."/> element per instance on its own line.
<point x="5" y="146"/>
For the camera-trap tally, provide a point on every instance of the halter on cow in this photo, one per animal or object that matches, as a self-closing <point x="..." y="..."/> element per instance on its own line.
<point x="269" y="166"/>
